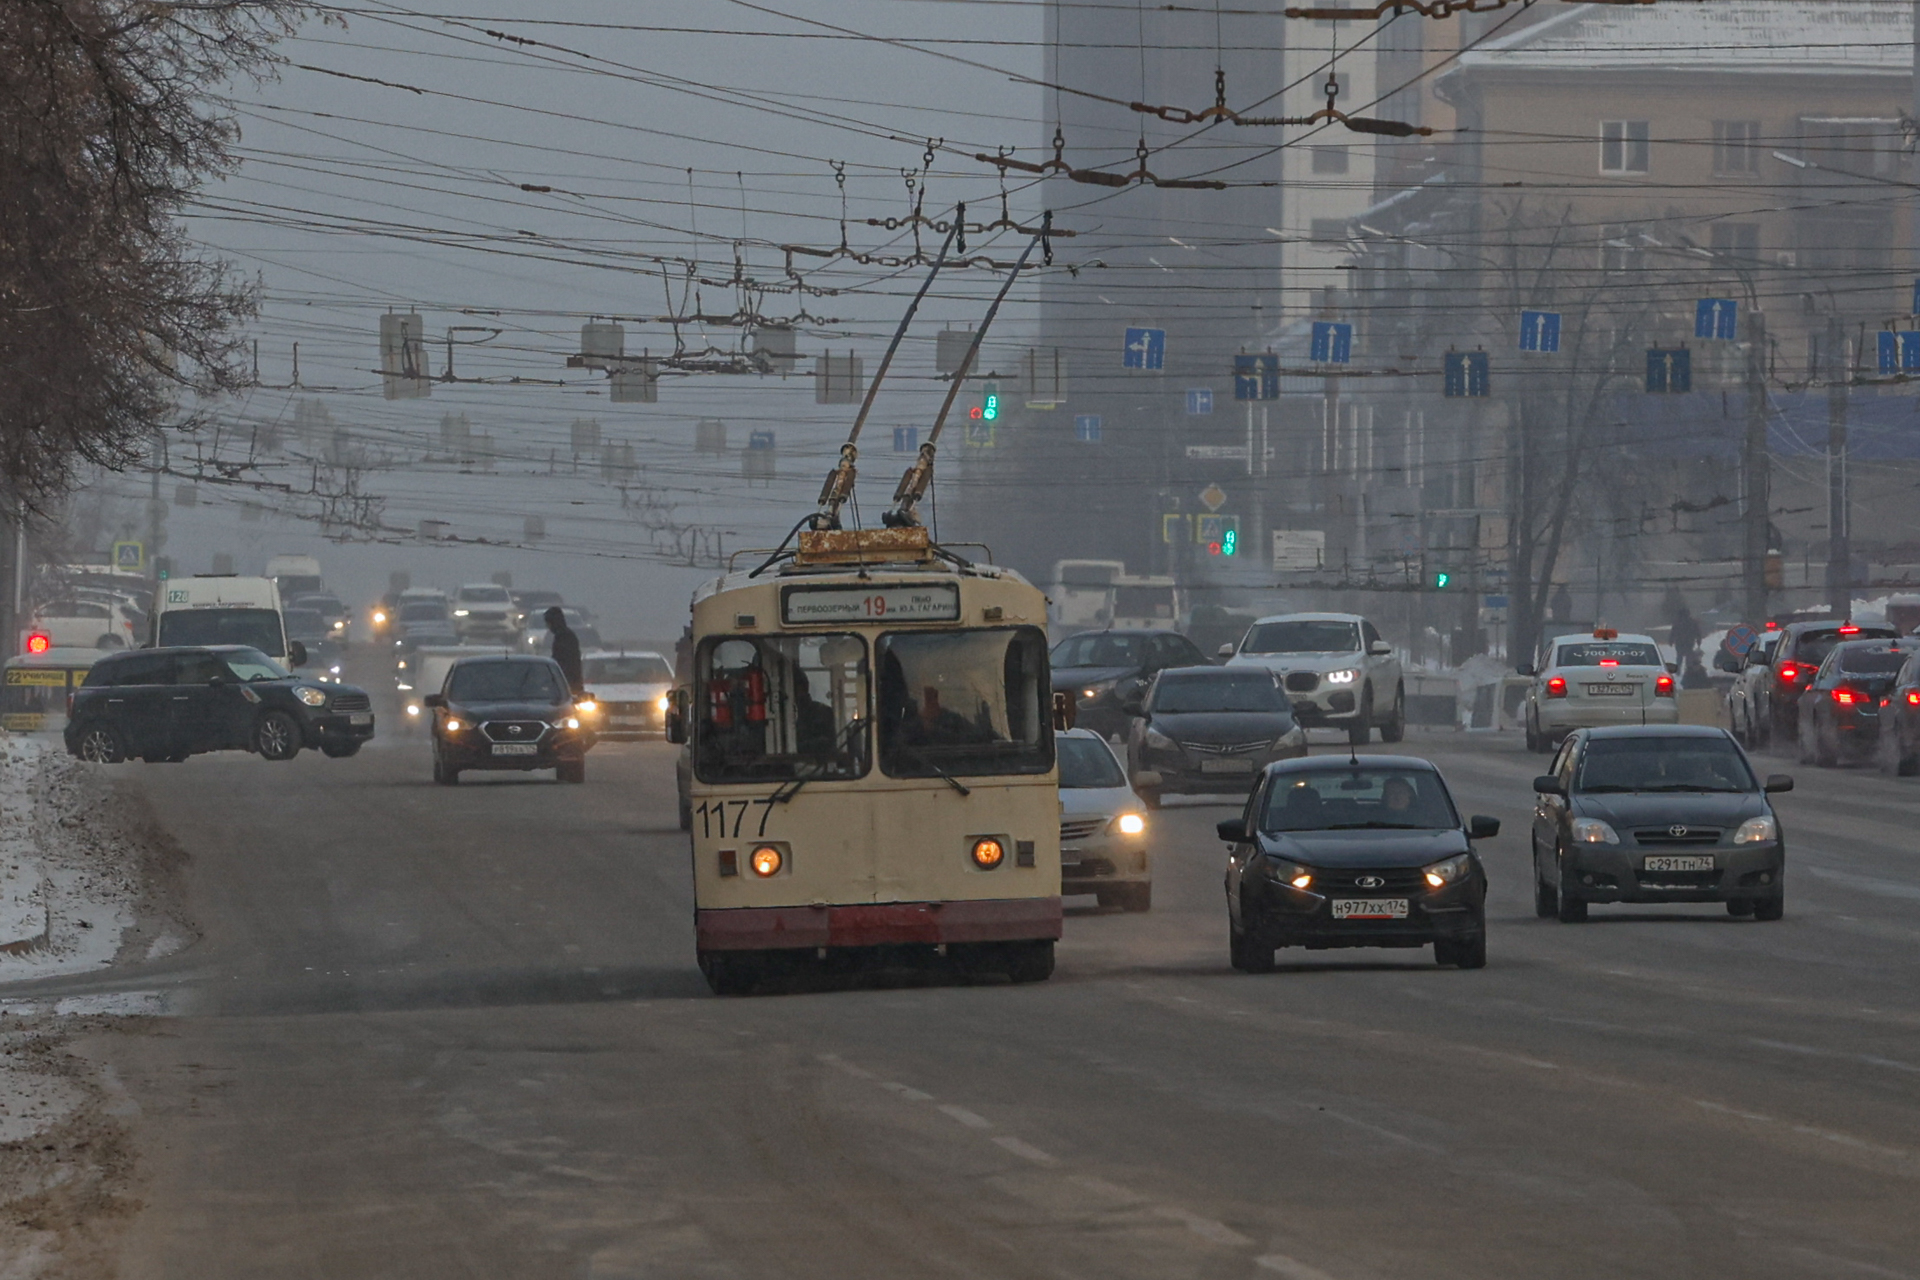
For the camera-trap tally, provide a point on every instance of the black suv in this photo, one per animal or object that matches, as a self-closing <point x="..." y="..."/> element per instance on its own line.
<point x="1099" y="670"/>
<point x="168" y="704"/>
<point x="507" y="712"/>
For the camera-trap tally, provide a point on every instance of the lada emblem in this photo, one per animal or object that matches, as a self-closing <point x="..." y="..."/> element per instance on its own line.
<point x="1676" y="831"/>
<point x="1369" y="882"/>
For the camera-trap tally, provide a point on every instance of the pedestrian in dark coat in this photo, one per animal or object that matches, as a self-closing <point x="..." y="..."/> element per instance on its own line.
<point x="566" y="650"/>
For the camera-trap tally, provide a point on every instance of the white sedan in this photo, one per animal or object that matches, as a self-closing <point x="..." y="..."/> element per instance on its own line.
<point x="1588" y="682"/>
<point x="1103" y="825"/>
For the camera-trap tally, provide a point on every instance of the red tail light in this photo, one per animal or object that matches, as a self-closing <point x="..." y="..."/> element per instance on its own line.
<point x="1789" y="672"/>
<point x="1913" y="697"/>
<point x="1557" y="687"/>
<point x="39" y="642"/>
<point x="1846" y="697"/>
<point x="1609" y="662"/>
<point x="1849" y="631"/>
<point x="1663" y="686"/>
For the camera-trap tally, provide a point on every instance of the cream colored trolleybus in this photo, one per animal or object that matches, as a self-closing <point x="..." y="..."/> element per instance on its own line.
<point x="869" y="722"/>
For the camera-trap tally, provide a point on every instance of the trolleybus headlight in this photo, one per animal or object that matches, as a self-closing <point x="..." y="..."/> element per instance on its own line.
<point x="766" y="861"/>
<point x="988" y="853"/>
<point x="1131" y="824"/>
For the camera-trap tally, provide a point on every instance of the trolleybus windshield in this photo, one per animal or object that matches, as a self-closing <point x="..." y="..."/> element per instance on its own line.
<point x="780" y="708"/>
<point x="963" y="703"/>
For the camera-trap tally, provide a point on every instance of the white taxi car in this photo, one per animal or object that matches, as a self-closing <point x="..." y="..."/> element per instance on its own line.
<point x="1587" y="682"/>
<point x="1103" y="825"/>
<point x="629" y="692"/>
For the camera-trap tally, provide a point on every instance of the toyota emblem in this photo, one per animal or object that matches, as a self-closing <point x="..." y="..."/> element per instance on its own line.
<point x="1676" y="831"/>
<point x="1369" y="882"/>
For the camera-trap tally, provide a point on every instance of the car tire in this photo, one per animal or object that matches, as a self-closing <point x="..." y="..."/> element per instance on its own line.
<point x="276" y="736"/>
<point x="1824" y="756"/>
<point x="442" y="774"/>
<point x="109" y="643"/>
<point x="1740" y="908"/>
<point x="574" y="771"/>
<point x="1362" y="727"/>
<point x="1462" y="953"/>
<point x="1029" y="961"/>
<point x="1770" y="908"/>
<point x="1395" y="729"/>
<point x="339" y="750"/>
<point x="1533" y="738"/>
<point x="1546" y="898"/>
<point x="100" y="745"/>
<point x="1573" y="909"/>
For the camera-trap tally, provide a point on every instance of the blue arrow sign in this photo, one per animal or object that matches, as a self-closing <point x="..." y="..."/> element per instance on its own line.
<point x="906" y="439"/>
<point x="1199" y="400"/>
<point x="1467" y="374"/>
<point x="1900" y="352"/>
<point x="1146" y="349"/>
<point x="1669" y="372"/>
<point x="1540" y="331"/>
<point x="1332" y="343"/>
<point x="1716" y="319"/>
<point x="1086" y="428"/>
<point x="1256" y="377"/>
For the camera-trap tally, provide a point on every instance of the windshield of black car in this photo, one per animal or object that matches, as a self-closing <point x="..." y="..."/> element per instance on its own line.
<point x="644" y="669"/>
<point x="1879" y="661"/>
<point x="255" y="628"/>
<point x="506" y="682"/>
<point x="1607" y="653"/>
<point x="1663" y="764"/>
<point x="1357" y="799"/>
<point x="251" y="664"/>
<point x="1186" y="694"/>
<point x="1087" y="763"/>
<point x="1100" y="651"/>
<point x="1303" y="637"/>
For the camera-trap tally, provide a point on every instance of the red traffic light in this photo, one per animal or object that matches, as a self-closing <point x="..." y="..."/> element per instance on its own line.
<point x="39" y="642"/>
<point x="974" y="413"/>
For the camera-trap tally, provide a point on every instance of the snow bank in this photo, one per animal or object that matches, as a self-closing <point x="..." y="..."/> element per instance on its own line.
<point x="68" y="887"/>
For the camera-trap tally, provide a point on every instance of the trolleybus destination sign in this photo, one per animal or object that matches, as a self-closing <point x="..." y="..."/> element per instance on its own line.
<point x="921" y="602"/>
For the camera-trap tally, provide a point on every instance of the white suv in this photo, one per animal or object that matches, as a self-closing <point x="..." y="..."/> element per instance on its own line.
<point x="1337" y="671"/>
<point x="484" y="611"/>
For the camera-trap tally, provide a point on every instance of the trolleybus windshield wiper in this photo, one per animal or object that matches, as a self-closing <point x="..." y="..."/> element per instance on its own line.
<point x="938" y="772"/>
<point x="844" y="741"/>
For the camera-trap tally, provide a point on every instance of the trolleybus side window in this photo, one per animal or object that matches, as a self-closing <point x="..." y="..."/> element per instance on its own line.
<point x="964" y="702"/>
<point x="780" y="708"/>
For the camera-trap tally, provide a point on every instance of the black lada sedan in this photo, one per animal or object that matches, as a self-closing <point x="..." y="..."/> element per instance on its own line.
<point x="507" y="712"/>
<point x="1666" y="813"/>
<point x="1362" y="851"/>
<point x="168" y="704"/>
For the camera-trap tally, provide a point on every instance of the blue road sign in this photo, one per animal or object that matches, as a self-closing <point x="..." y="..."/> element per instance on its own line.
<point x="1256" y="377"/>
<point x="1900" y="352"/>
<point x="1669" y="371"/>
<point x="1467" y="374"/>
<point x="1146" y="349"/>
<point x="1086" y="428"/>
<point x="906" y="439"/>
<point x="1916" y="296"/>
<point x="1199" y="400"/>
<point x="1332" y="343"/>
<point x="1739" y="639"/>
<point x="1540" y="331"/>
<point x="1716" y="319"/>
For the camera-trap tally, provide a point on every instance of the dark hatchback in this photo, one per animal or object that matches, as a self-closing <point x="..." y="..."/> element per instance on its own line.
<point x="1667" y="813"/>
<point x="1355" y="852"/>
<point x="1841" y="711"/>
<point x="1899" y="750"/>
<point x="1100" y="670"/>
<point x="508" y="712"/>
<point x="168" y="704"/>
<point x="1208" y="731"/>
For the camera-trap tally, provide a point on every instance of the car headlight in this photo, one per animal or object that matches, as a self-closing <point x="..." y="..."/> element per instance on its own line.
<point x="460" y="613"/>
<point x="454" y="726"/>
<point x="1130" y="824"/>
<point x="413" y="708"/>
<point x="379" y="616"/>
<point x="1288" y="873"/>
<point x="1091" y="692"/>
<point x="663" y="702"/>
<point x="1155" y="738"/>
<point x="1594" y="831"/>
<point x="567" y="722"/>
<point x="586" y="706"/>
<point x="340" y="624"/>
<point x="312" y="697"/>
<point x="1342" y="677"/>
<point x="1449" y="871"/>
<point x="1757" y="831"/>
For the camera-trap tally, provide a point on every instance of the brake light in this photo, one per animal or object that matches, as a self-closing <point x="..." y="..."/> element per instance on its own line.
<point x="1609" y="662"/>
<point x="1557" y="687"/>
<point x="1849" y="631"/>
<point x="39" y="642"/>
<point x="1845" y="697"/>
<point x="1663" y="686"/>
<point x="1789" y="672"/>
<point x="1913" y="697"/>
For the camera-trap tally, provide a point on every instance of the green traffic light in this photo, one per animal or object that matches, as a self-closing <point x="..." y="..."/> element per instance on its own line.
<point x="1440" y="581"/>
<point x="990" y="408"/>
<point x="1229" y="542"/>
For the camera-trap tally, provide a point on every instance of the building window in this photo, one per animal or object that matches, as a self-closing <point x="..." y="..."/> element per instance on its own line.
<point x="1328" y="231"/>
<point x="1623" y="146"/>
<point x="1330" y="159"/>
<point x="1737" y="240"/>
<point x="1736" y="146"/>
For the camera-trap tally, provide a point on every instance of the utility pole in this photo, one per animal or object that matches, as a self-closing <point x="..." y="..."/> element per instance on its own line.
<point x="1759" y="478"/>
<point x="1839" y="544"/>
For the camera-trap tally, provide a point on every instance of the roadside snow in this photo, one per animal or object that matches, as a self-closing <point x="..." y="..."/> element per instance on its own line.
<point x="67" y="888"/>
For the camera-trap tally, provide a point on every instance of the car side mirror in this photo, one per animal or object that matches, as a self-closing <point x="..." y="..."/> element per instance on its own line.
<point x="1481" y="827"/>
<point x="1232" y="830"/>
<point x="1224" y="651"/>
<point x="1724" y="661"/>
<point x="296" y="653"/>
<point x="434" y="700"/>
<point x="1548" y="785"/>
<point x="1380" y="649"/>
<point x="1065" y="712"/>
<point x="1673" y="668"/>
<point x="1779" y="782"/>
<point x="675" y="727"/>
<point x="1524" y="669"/>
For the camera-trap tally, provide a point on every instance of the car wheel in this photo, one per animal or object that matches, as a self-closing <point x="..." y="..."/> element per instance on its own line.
<point x="442" y="773"/>
<point x="1739" y="908"/>
<point x="1546" y="898"/>
<point x="276" y="736"/>
<point x="339" y="750"/>
<point x="1533" y="738"/>
<point x="1770" y="908"/>
<point x="1573" y="909"/>
<point x="1462" y="953"/>
<point x="1395" y="729"/>
<point x="570" y="771"/>
<point x="1029" y="961"/>
<point x="1825" y="756"/>
<point x="101" y="745"/>
<point x="1362" y="726"/>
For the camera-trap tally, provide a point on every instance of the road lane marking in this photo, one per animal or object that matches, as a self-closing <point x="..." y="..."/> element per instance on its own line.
<point x="1291" y="1268"/>
<point x="971" y="1119"/>
<point x="1811" y="1131"/>
<point x="1892" y="1064"/>
<point x="836" y="1061"/>
<point x="1206" y="1228"/>
<point x="908" y="1092"/>
<point x="1869" y="884"/>
<point x="1024" y="1150"/>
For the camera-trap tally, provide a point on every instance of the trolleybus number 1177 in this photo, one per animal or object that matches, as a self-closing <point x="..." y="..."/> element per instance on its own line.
<point x="713" y="817"/>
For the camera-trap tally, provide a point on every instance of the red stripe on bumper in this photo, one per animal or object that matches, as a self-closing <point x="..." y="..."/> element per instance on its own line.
<point x="878" y="924"/>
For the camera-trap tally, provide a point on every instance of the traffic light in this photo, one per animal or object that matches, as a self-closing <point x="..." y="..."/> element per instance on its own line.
<point x="1220" y="535"/>
<point x="1442" y="579"/>
<point x="990" y="401"/>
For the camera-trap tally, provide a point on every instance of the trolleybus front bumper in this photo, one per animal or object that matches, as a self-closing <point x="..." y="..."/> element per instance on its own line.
<point x="879" y="924"/>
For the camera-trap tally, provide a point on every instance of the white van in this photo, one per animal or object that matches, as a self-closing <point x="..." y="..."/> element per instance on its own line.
<point x="222" y="609"/>
<point x="295" y="575"/>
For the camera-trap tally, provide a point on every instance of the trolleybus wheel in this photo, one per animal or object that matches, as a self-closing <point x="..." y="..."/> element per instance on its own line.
<point x="1030" y="961"/>
<point x="729" y="974"/>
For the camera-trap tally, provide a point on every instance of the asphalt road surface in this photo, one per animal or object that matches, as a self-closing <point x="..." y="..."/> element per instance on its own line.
<point x="431" y="1032"/>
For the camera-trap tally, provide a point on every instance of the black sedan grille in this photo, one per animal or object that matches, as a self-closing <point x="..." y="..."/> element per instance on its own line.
<point x="514" y="730"/>
<point x="1302" y="681"/>
<point x="1226" y="748"/>
<point x="1686" y="835"/>
<point x="352" y="702"/>
<point x="1394" y="880"/>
